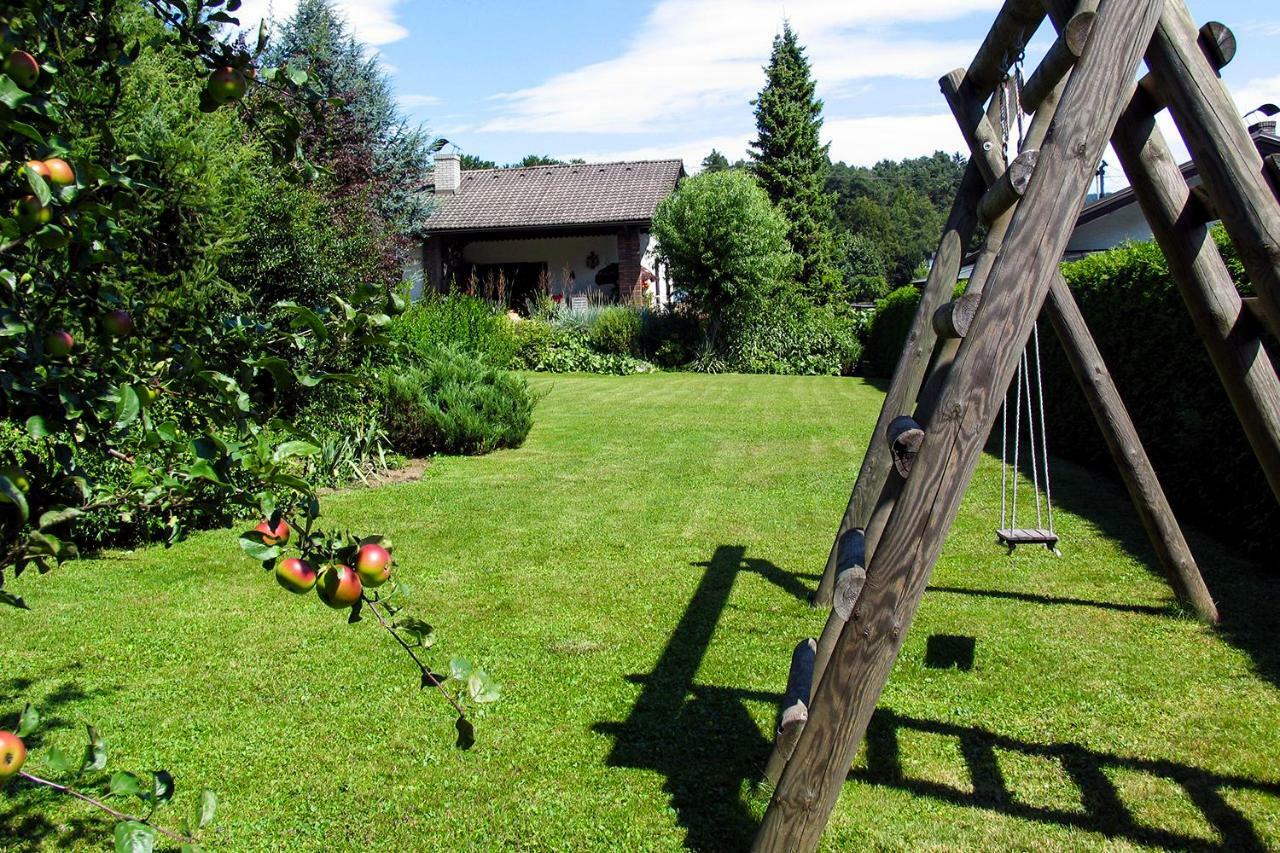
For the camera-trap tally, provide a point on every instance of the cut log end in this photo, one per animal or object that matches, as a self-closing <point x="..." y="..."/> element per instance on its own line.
<point x="905" y="437"/>
<point x="1010" y="188"/>
<point x="954" y="319"/>
<point x="1218" y="43"/>
<point x="848" y="590"/>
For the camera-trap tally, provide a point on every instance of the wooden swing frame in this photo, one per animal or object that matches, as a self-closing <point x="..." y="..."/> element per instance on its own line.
<point x="960" y="356"/>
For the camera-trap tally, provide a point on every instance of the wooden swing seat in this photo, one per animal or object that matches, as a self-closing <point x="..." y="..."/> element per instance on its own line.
<point x="1015" y="536"/>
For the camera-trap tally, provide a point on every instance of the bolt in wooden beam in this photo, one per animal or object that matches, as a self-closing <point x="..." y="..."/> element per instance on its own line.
<point x="1058" y="61"/>
<point x="986" y="146"/>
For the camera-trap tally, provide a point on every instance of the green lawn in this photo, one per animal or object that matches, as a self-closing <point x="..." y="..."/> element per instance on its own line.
<point x="636" y="576"/>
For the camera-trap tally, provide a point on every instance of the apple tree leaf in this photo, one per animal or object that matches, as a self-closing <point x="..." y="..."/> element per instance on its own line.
<point x="460" y="668"/>
<point x="162" y="785"/>
<point x="205" y="809"/>
<point x="134" y="837"/>
<point x="95" y="751"/>
<point x="29" y="721"/>
<point x="126" y="784"/>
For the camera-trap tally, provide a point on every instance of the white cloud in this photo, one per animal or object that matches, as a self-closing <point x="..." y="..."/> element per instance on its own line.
<point x="691" y="56"/>
<point x="1254" y="93"/>
<point x="374" y="22"/>
<point x="412" y="101"/>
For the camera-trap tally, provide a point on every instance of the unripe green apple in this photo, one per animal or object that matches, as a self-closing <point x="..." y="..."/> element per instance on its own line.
<point x="18" y="477"/>
<point x="60" y="172"/>
<point x="59" y="344"/>
<point x="31" y="214"/>
<point x="277" y="536"/>
<point x="23" y="68"/>
<point x="339" y="587"/>
<point x="295" y="575"/>
<point x="373" y="564"/>
<point x="118" y="323"/>
<point x="13" y="754"/>
<point x="227" y="84"/>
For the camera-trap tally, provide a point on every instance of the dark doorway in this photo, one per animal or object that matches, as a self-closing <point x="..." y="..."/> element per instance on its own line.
<point x="512" y="284"/>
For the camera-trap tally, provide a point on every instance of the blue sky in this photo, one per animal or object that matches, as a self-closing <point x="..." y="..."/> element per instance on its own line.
<point x="629" y="79"/>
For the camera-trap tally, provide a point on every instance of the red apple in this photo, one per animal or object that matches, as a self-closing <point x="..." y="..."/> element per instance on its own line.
<point x="13" y="753"/>
<point x="30" y="213"/>
<point x="278" y="536"/>
<point x="373" y="564"/>
<point x="60" y="172"/>
<point x="295" y="575"/>
<point x="59" y="343"/>
<point x="227" y="84"/>
<point x="23" y="68"/>
<point x="39" y="168"/>
<point x="339" y="587"/>
<point x="118" y="324"/>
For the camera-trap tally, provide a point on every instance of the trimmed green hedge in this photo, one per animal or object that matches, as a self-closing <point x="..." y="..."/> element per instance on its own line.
<point x="1165" y="377"/>
<point x="889" y="330"/>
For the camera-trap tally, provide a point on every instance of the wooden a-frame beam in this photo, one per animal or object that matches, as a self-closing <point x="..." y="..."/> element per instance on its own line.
<point x="900" y="567"/>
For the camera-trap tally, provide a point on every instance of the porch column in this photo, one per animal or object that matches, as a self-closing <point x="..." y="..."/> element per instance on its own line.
<point x="628" y="264"/>
<point x="432" y="265"/>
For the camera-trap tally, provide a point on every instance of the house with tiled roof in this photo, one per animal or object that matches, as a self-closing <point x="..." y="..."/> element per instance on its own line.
<point x="576" y="230"/>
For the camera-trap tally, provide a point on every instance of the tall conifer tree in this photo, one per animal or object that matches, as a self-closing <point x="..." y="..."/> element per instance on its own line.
<point x="791" y="163"/>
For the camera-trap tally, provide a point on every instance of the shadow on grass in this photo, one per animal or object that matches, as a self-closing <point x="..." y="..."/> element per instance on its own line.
<point x="1102" y="808"/>
<point x="1244" y="591"/>
<point x="1146" y="609"/>
<point x="702" y="739"/>
<point x="24" y="825"/>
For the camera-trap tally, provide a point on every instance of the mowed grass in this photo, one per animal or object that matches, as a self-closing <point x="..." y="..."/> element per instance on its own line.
<point x="636" y="576"/>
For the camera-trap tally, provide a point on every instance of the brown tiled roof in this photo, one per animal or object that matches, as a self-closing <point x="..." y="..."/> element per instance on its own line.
<point x="541" y="196"/>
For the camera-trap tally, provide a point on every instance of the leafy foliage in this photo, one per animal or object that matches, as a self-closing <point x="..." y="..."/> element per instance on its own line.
<point x="889" y="329"/>
<point x="615" y="331"/>
<point x="791" y="163"/>
<point x="555" y="348"/>
<point x="791" y="336"/>
<point x="122" y="789"/>
<point x="454" y="403"/>
<point x="465" y="323"/>
<point x="1170" y="389"/>
<point x="725" y="243"/>
<point x="897" y="208"/>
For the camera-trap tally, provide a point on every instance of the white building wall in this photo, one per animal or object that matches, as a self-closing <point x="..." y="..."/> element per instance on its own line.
<point x="562" y="255"/>
<point x="1126" y="223"/>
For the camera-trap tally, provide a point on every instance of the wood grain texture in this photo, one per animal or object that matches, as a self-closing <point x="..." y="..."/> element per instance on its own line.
<point x="794" y="711"/>
<point x="954" y="319"/>
<point x="1229" y="164"/>
<point x="903" y="560"/>
<point x="1058" y="61"/>
<point x="1006" y="192"/>
<point x="905" y="437"/>
<point x="909" y="374"/>
<point x="1127" y="450"/>
<point x="1218" y="44"/>
<point x="1216" y="309"/>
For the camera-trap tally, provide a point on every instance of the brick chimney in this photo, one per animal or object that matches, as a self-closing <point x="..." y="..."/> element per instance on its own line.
<point x="448" y="174"/>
